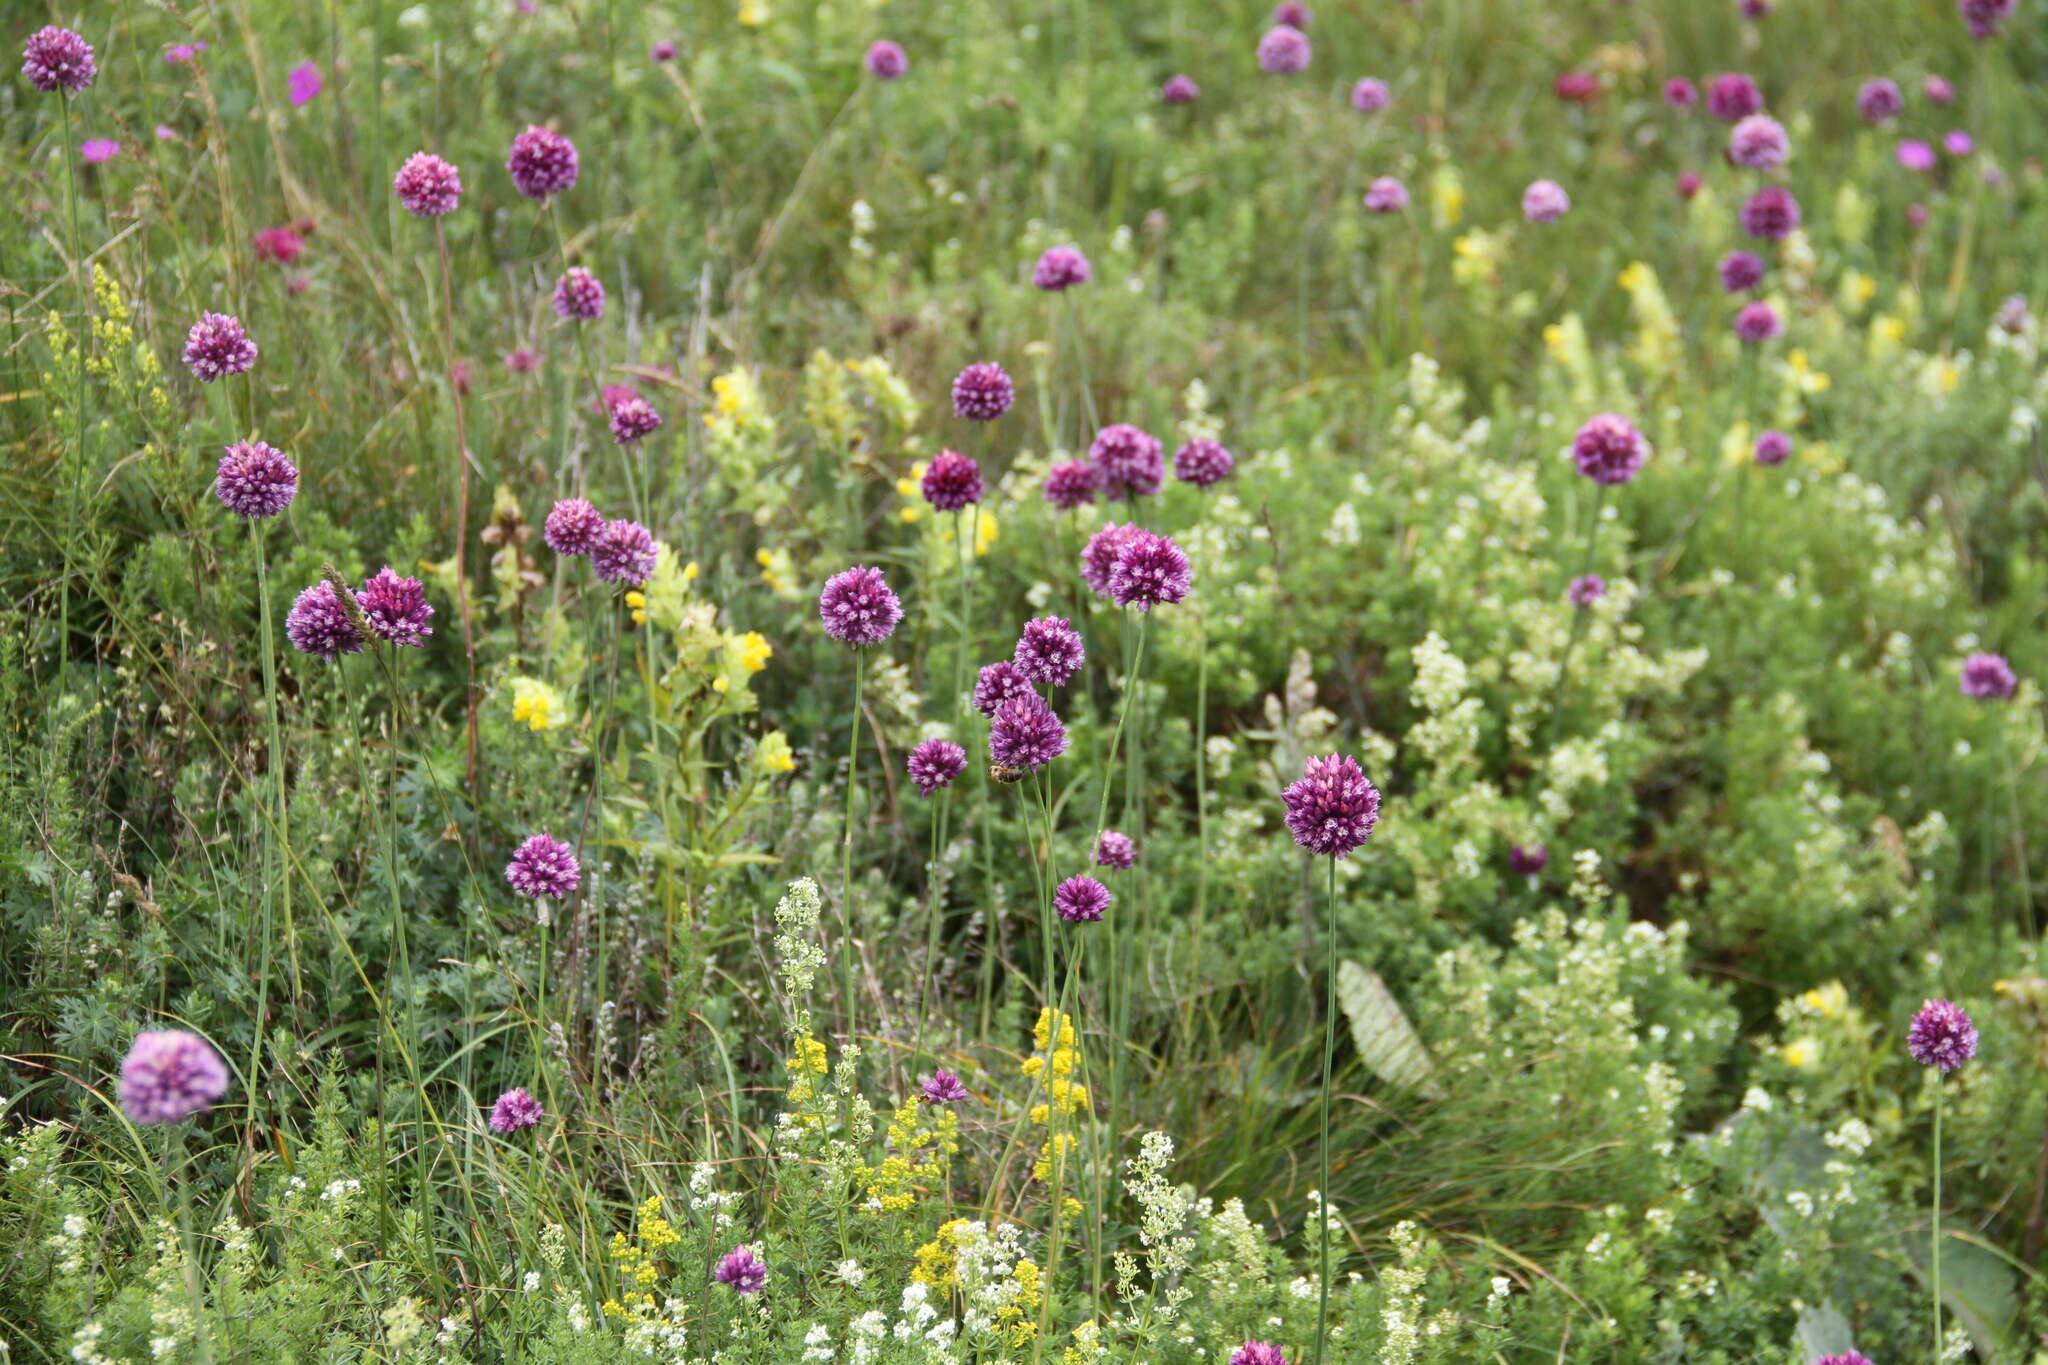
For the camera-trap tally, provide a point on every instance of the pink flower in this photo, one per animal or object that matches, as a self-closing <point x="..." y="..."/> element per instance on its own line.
<point x="165" y="134"/>
<point x="99" y="149"/>
<point x="1958" y="143"/>
<point x="1915" y="155"/>
<point x="305" y="83"/>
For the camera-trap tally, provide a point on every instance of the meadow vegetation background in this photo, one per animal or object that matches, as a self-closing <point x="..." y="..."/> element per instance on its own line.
<point x="805" y="1062"/>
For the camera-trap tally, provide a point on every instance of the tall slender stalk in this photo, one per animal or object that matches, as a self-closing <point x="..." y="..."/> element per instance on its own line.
<point x="277" y="843"/>
<point x="1934" y="1222"/>
<point x="84" y="340"/>
<point x="1323" y="1142"/>
<point x="1564" y="665"/>
<point x="462" y="458"/>
<point x="846" y="991"/>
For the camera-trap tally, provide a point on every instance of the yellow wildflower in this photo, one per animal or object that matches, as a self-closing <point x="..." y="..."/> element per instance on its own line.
<point x="536" y="705"/>
<point x="773" y="753"/>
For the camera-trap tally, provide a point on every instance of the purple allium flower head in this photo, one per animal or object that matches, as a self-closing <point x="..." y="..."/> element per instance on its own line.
<point x="1098" y="556"/>
<point x="934" y="764"/>
<point x="522" y="361"/>
<point x="1687" y="184"/>
<point x="278" y="245"/>
<point x="1608" y="449"/>
<point x="1733" y="97"/>
<point x="1179" y="89"/>
<point x="1845" y="1358"/>
<point x="1081" y="900"/>
<point x="1284" y="51"/>
<point x="542" y="162"/>
<point x="168" y="1076"/>
<point x="178" y="54"/>
<point x="1149" y="571"/>
<point x="742" y="1270"/>
<point x="57" y="59"/>
<point x="1370" y="95"/>
<point x="515" y="1112"/>
<point x="1024" y="733"/>
<point x="1545" y="201"/>
<point x="1773" y="448"/>
<point x="397" y="608"/>
<point x="1984" y="16"/>
<point x="1115" y="849"/>
<point x="1070" y="484"/>
<point x="1333" y="808"/>
<point x="1916" y="216"/>
<point x="1049" y="651"/>
<point x="1576" y="87"/>
<point x="631" y="418"/>
<point x="304" y="83"/>
<point x="1526" y="860"/>
<point x="663" y="51"/>
<point x="318" y="624"/>
<point x="1386" y="195"/>
<point x="578" y="294"/>
<point x="983" y="392"/>
<point x="1941" y="1035"/>
<point x="1741" y="271"/>
<point x="996" y="683"/>
<point x="624" y="553"/>
<point x="1759" y="143"/>
<point x="1957" y="143"/>
<point x="1938" y="91"/>
<point x="1771" y="213"/>
<point x="943" y="1087"/>
<point x="427" y="185"/>
<point x="885" y="60"/>
<point x="1915" y="155"/>
<point x="99" y="150"/>
<point x="1681" y="93"/>
<point x="544" y="868"/>
<point x="1879" y="100"/>
<point x="572" y="527"/>
<point x="951" y="481"/>
<point x="1755" y="9"/>
<point x="1988" y="677"/>
<point x="1585" y="590"/>
<point x="255" y="480"/>
<point x="1258" y="1353"/>
<point x="858" y="608"/>
<point x="1292" y="13"/>
<point x="1061" y="267"/>
<point x="1127" y="461"/>
<point x="1758" y="321"/>
<point x="1202" y="462"/>
<point x="218" y="346"/>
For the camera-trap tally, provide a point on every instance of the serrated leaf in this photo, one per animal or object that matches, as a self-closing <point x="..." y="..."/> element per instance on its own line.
<point x="1387" y="1043"/>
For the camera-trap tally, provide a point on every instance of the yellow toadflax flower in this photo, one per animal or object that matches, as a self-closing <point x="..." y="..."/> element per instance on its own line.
<point x="536" y="705"/>
<point x="773" y="753"/>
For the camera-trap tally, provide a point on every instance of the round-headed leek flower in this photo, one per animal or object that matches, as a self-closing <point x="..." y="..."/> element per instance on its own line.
<point x="934" y="764"/>
<point x="579" y="294"/>
<point x="1773" y="447"/>
<point x="1680" y="93"/>
<point x="1292" y="13"/>
<point x="1081" y="900"/>
<point x="1202" y="462"/>
<point x="1741" y="271"/>
<point x="1879" y="101"/>
<point x="1179" y="89"/>
<point x="1127" y="461"/>
<point x="57" y="59"/>
<point x="278" y="245"/>
<point x="397" y="608"/>
<point x="1098" y="556"/>
<point x="624" y="553"/>
<point x="1771" y="213"/>
<point x="631" y="418"/>
<point x="1545" y="201"/>
<point x="1386" y="195"/>
<point x="1070" y="484"/>
<point x="996" y="683"/>
<point x="542" y="163"/>
<point x="1283" y="51"/>
<point x="427" y="186"/>
<point x="1733" y="97"/>
<point x="1258" y="1353"/>
<point x="1526" y="860"/>
<point x="1938" y="90"/>
<point x="943" y="1087"/>
<point x="1049" y="651"/>
<point x="1608" y="449"/>
<point x="1115" y="849"/>
<point x="319" y="625"/>
<point x="1988" y="677"/>
<point x="1758" y="322"/>
<point x="885" y="60"/>
<point x="1061" y="267"/>
<point x="1845" y="1358"/>
<point x="544" y="868"/>
<point x="1941" y="1035"/>
<point x="663" y="50"/>
<point x="1149" y="571"/>
<point x="217" y="346"/>
<point x="1984" y="16"/>
<point x="572" y="526"/>
<point x="951" y="481"/>
<point x="1585" y="590"/>
<point x="858" y="607"/>
<point x="983" y="392"/>
<point x="1025" y="735"/>
<point x="1370" y="95"/>
<point x="515" y="1112"/>
<point x="1759" y="143"/>
<point x="168" y="1076"/>
<point x="255" y="480"/>
<point x="1332" y="809"/>
<point x="740" y="1269"/>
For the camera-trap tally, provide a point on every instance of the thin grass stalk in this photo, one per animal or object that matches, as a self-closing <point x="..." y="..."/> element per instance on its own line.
<point x="1323" y="1141"/>
<point x="851" y="1002"/>
<point x="84" y="340"/>
<point x="1934" y="1221"/>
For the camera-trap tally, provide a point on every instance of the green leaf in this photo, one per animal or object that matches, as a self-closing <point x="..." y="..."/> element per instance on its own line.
<point x="1387" y="1043"/>
<point x="1977" y="1286"/>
